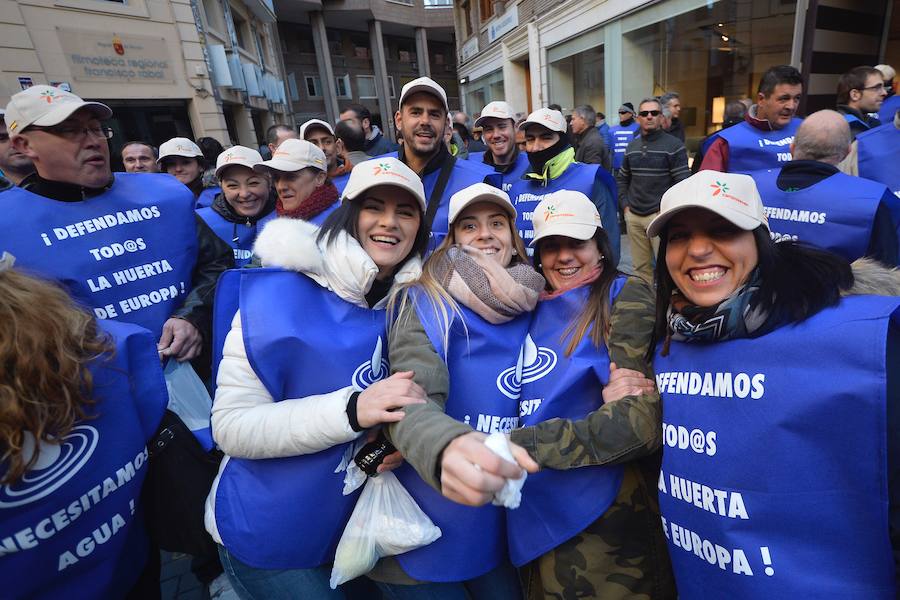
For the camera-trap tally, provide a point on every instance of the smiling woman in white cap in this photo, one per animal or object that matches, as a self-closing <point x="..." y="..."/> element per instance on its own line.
<point x="299" y="170"/>
<point x="246" y="199"/>
<point x="304" y="375"/>
<point x="183" y="159"/>
<point x="553" y="167"/>
<point x="458" y="328"/>
<point x="589" y="411"/>
<point x="780" y="394"/>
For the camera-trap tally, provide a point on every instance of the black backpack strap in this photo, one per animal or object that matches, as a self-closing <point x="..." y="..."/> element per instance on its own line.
<point x="434" y="200"/>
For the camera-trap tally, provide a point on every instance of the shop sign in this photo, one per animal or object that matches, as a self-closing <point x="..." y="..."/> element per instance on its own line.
<point x="503" y="24"/>
<point x="470" y="48"/>
<point x="63" y="85"/>
<point x="116" y="58"/>
<point x="25" y="82"/>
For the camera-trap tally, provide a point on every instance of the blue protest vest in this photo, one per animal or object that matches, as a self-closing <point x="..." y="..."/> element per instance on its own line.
<point x="526" y="193"/>
<point x="879" y="155"/>
<point x="239" y="236"/>
<point x="484" y="393"/>
<point x="128" y="253"/>
<point x="622" y="136"/>
<point x="289" y="513"/>
<point x="506" y="180"/>
<point x="464" y="174"/>
<point x="851" y="119"/>
<point x="774" y="478"/>
<point x="72" y="527"/>
<point x="889" y="108"/>
<point x="340" y="182"/>
<point x="207" y="196"/>
<point x="752" y="149"/>
<point x="836" y="213"/>
<point x="557" y="505"/>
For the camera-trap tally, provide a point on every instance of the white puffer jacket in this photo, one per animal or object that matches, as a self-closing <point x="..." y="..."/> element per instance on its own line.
<point x="246" y="420"/>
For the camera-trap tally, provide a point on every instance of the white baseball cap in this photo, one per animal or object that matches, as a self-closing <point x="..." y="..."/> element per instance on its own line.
<point x="237" y="155"/>
<point x="45" y="106"/>
<point x="315" y="123"/>
<point x="479" y="192"/>
<point x="387" y="170"/>
<point x="551" y="119"/>
<point x="179" y="146"/>
<point x="293" y="155"/>
<point x="496" y="110"/>
<point x="424" y="84"/>
<point x="567" y="213"/>
<point x="729" y="195"/>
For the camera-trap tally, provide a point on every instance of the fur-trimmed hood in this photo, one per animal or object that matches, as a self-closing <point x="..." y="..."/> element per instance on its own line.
<point x="870" y="277"/>
<point x="341" y="266"/>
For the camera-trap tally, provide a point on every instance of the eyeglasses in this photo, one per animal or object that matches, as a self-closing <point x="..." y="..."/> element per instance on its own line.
<point x="650" y="113"/>
<point x="624" y="112"/>
<point x="876" y="88"/>
<point x="73" y="132"/>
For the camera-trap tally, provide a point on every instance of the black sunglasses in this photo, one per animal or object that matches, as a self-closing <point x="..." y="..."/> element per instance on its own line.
<point x="649" y="113"/>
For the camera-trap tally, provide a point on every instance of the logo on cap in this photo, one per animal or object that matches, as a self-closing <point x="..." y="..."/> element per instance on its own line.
<point x="49" y="96"/>
<point x="550" y="213"/>
<point x="549" y="117"/>
<point x="385" y="169"/>
<point x="722" y="188"/>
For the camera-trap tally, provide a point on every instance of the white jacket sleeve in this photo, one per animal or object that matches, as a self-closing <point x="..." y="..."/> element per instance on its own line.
<point x="248" y="423"/>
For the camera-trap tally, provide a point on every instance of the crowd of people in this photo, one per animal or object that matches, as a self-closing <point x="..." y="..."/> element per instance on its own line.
<point x="718" y="419"/>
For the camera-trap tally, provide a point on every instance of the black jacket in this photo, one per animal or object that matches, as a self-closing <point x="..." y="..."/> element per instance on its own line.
<point x="590" y="148"/>
<point x="861" y="124"/>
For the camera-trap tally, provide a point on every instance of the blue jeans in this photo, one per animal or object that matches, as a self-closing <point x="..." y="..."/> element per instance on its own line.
<point x="252" y="583"/>
<point x="500" y="584"/>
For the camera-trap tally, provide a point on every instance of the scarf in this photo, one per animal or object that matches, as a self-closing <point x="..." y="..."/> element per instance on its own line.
<point x="321" y="198"/>
<point x="586" y="279"/>
<point x="551" y="162"/>
<point x="737" y="316"/>
<point x="497" y="294"/>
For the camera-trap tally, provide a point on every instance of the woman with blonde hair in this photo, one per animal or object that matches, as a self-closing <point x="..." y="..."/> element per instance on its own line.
<point x="460" y="329"/>
<point x="78" y="401"/>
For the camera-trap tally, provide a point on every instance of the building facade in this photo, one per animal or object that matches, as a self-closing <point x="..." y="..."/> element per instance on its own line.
<point x="339" y="52"/>
<point x="604" y="52"/>
<point x="167" y="68"/>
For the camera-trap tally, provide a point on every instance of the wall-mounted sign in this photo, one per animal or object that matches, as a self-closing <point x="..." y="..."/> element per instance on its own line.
<point x="116" y="58"/>
<point x="26" y="82"/>
<point x="469" y="49"/>
<point x="503" y="24"/>
<point x="63" y="85"/>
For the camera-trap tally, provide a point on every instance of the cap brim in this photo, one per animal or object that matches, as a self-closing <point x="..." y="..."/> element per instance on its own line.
<point x="286" y="166"/>
<point x="236" y="163"/>
<point x="354" y="194"/>
<point x="428" y="90"/>
<point x="577" y="231"/>
<point x="67" y="109"/>
<point x="740" y="220"/>
<point x="506" y="206"/>
<point x="480" y="120"/>
<point x="526" y="124"/>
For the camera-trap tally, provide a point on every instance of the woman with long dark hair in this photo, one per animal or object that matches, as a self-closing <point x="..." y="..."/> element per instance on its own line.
<point x="778" y="369"/>
<point x="588" y="522"/>
<point x="303" y="376"/>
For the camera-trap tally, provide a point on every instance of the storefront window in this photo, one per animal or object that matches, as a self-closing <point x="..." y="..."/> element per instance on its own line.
<point x="483" y="90"/>
<point x="578" y="79"/>
<point x="710" y="56"/>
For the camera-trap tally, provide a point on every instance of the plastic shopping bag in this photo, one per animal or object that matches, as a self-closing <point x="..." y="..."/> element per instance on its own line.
<point x="189" y="399"/>
<point x="386" y="521"/>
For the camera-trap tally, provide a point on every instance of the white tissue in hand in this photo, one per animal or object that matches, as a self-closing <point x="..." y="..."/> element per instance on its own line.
<point x="511" y="494"/>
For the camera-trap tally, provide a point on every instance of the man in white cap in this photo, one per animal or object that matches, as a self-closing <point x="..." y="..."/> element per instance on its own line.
<point x="498" y="125"/>
<point x="553" y="167"/>
<point x="183" y="159"/>
<point x="14" y="165"/>
<point x="321" y="134"/>
<point x="422" y="122"/>
<point x="129" y="246"/>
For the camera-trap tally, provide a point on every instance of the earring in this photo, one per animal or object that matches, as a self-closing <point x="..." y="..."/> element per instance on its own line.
<point x="515" y="252"/>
